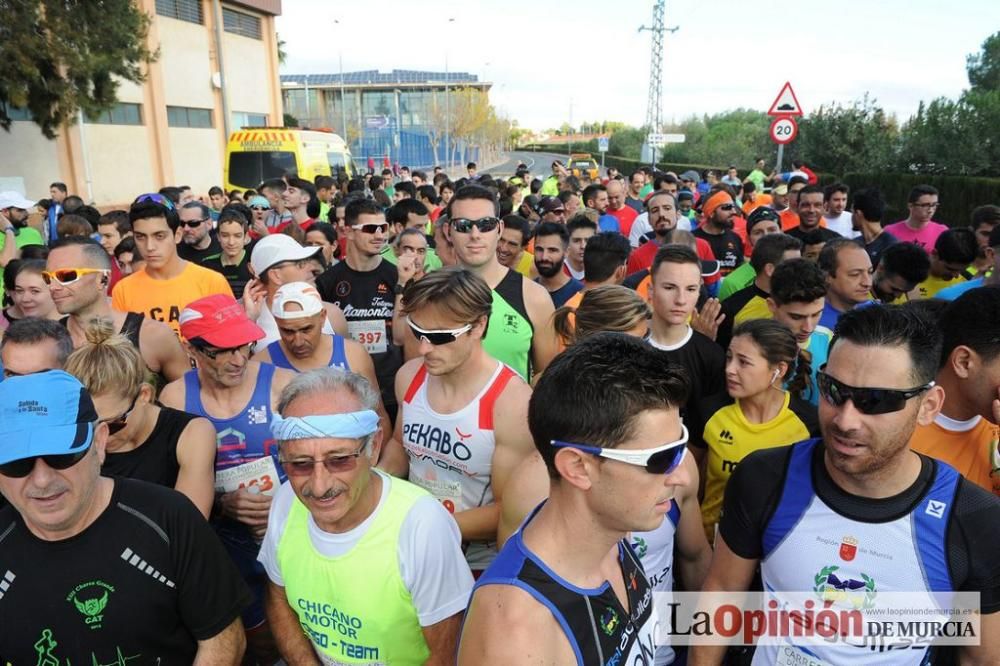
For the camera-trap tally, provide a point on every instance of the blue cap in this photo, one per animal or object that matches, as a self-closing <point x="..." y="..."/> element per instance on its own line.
<point x="43" y="414"/>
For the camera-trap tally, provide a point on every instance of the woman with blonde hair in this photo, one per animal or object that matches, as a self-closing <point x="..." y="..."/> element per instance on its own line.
<point x="610" y="307"/>
<point x="145" y="441"/>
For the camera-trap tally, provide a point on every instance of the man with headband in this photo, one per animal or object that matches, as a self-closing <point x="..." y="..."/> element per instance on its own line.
<point x="719" y="212"/>
<point x="363" y="567"/>
<point x="94" y="569"/>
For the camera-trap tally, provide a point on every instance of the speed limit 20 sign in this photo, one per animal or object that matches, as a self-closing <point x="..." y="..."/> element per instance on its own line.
<point x="784" y="129"/>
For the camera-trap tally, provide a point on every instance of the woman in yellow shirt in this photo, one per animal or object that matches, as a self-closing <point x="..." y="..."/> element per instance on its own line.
<point x="758" y="410"/>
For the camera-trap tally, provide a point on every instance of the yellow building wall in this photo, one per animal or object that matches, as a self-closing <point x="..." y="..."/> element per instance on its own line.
<point x="120" y="163"/>
<point x="197" y="159"/>
<point x="185" y="58"/>
<point x="25" y="153"/>
<point x="246" y="69"/>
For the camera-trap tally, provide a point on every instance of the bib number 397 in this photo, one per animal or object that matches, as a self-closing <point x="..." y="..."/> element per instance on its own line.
<point x="370" y="333"/>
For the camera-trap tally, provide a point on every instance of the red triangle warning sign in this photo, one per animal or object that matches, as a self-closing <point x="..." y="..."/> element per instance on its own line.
<point x="785" y="104"/>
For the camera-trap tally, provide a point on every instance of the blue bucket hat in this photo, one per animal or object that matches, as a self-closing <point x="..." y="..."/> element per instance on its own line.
<point x="43" y="414"/>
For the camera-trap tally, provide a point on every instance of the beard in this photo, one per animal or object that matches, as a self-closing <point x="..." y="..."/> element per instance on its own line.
<point x="548" y="270"/>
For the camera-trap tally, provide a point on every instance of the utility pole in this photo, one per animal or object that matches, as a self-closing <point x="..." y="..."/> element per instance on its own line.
<point x="654" y="104"/>
<point x="569" y="148"/>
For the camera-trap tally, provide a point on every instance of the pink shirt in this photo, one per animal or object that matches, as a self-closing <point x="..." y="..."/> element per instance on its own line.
<point x="925" y="237"/>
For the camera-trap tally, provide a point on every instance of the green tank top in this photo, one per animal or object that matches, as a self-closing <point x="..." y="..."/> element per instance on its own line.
<point x="355" y="608"/>
<point x="508" y="336"/>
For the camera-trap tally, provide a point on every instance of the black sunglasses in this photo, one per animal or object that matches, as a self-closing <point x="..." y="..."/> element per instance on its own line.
<point x="213" y="353"/>
<point x="118" y="423"/>
<point x="194" y="224"/>
<point x="871" y="401"/>
<point x="463" y="225"/>
<point x="18" y="469"/>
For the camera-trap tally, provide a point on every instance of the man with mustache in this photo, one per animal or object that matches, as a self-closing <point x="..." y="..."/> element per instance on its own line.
<point x="363" y="567"/>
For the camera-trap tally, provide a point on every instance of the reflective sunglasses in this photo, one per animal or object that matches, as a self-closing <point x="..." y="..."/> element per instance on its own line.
<point x="661" y="460"/>
<point x="437" y="337"/>
<point x="867" y="400"/>
<point x="213" y="353"/>
<point x="371" y="228"/>
<point x="728" y="206"/>
<point x="155" y="198"/>
<point x="118" y="423"/>
<point x="18" y="469"/>
<point x="194" y="224"/>
<point x="463" y="225"/>
<point x="260" y="208"/>
<point x="332" y="464"/>
<point x="65" y="276"/>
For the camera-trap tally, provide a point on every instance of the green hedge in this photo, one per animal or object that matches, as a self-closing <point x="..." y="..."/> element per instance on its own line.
<point x="959" y="194"/>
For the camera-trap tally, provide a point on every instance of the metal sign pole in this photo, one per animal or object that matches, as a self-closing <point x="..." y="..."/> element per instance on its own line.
<point x="781" y="155"/>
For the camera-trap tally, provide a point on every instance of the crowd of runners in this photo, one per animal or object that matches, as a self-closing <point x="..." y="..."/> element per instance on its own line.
<point x="403" y="418"/>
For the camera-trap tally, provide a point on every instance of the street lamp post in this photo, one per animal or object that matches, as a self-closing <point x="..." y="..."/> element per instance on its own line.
<point x="447" y="99"/>
<point x="343" y="95"/>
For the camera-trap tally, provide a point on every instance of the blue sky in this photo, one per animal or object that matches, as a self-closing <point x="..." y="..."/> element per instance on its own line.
<point x="545" y="56"/>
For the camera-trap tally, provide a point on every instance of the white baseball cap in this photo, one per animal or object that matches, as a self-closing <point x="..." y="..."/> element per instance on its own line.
<point x="277" y="248"/>
<point x="11" y="199"/>
<point x="301" y="293"/>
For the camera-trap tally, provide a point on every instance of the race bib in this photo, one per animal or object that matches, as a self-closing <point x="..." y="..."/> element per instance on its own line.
<point x="370" y="333"/>
<point x="257" y="476"/>
<point x="789" y="655"/>
<point x="449" y="493"/>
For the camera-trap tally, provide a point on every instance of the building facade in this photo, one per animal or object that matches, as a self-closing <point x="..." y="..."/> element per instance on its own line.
<point x="399" y="116"/>
<point x="217" y="71"/>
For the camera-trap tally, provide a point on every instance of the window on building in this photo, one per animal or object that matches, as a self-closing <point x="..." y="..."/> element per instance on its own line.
<point x="241" y="119"/>
<point x="122" y="113"/>
<point x="185" y="116"/>
<point x="17" y="113"/>
<point x="239" y="23"/>
<point x="182" y="10"/>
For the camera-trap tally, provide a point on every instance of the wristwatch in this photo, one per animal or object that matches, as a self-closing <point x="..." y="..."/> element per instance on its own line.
<point x="398" y="289"/>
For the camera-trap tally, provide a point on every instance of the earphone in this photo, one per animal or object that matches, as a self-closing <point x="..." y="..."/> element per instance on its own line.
<point x="775" y="375"/>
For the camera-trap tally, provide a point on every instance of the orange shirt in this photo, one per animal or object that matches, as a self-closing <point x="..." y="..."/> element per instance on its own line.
<point x="760" y="200"/>
<point x="163" y="300"/>
<point x="972" y="450"/>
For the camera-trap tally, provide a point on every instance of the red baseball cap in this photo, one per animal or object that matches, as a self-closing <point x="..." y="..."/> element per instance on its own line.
<point x="220" y="321"/>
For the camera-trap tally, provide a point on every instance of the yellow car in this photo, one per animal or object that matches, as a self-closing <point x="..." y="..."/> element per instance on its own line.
<point x="582" y="164"/>
<point x="257" y="154"/>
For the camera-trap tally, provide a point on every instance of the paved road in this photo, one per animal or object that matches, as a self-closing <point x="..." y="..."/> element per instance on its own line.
<point x="539" y="163"/>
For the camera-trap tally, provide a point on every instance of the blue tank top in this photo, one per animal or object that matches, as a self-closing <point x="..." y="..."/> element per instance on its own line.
<point x="243" y="438"/>
<point x="246" y="436"/>
<point x="338" y="358"/>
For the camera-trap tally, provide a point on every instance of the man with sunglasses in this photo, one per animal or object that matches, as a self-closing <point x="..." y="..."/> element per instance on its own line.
<point x="363" y="567"/>
<point x="238" y="396"/>
<point x="77" y="275"/>
<point x="568" y="587"/>
<point x="858" y="504"/>
<point x="198" y="239"/>
<point x="366" y="287"/>
<point x="520" y="332"/>
<point x="719" y="211"/>
<point x="166" y="283"/>
<point x="96" y="569"/>
<point x="463" y="414"/>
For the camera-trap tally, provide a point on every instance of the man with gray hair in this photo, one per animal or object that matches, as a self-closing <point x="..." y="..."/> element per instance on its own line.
<point x="33" y="345"/>
<point x="198" y="239"/>
<point x="362" y="566"/>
